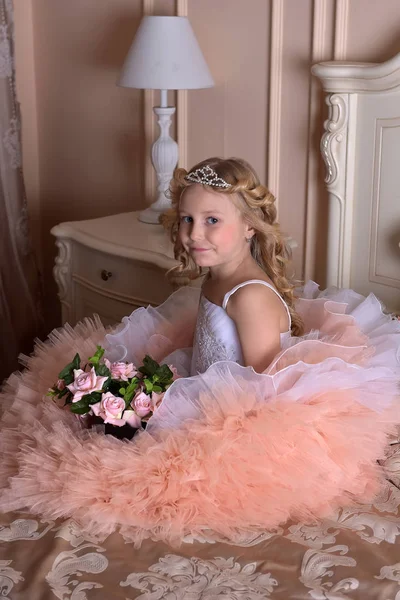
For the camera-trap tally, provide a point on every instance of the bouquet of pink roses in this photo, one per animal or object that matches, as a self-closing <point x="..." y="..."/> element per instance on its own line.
<point x="117" y="393"/>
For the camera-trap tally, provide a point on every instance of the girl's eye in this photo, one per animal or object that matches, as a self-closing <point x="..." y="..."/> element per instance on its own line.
<point x="212" y="220"/>
<point x="186" y="219"/>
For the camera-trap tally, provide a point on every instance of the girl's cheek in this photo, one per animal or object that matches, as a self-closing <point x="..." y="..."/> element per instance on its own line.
<point x="225" y="234"/>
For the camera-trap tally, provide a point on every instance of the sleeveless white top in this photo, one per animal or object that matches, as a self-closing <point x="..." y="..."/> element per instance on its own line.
<point x="216" y="336"/>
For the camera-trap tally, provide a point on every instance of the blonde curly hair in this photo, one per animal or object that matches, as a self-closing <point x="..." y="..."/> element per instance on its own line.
<point x="257" y="205"/>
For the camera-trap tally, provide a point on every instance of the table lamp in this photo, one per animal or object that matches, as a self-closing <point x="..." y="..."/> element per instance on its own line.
<point x="164" y="55"/>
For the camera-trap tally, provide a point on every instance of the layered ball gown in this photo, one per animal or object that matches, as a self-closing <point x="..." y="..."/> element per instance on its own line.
<point x="228" y="450"/>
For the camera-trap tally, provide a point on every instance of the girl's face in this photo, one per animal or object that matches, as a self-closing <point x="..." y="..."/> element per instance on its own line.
<point x="211" y="228"/>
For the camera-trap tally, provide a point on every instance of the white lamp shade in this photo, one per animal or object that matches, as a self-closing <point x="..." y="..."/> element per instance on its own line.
<point x="165" y="55"/>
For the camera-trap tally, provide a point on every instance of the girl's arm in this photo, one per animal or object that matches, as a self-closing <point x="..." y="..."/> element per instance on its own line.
<point x="258" y="314"/>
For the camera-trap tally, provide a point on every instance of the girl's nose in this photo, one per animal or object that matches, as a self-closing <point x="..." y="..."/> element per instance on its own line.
<point x="196" y="232"/>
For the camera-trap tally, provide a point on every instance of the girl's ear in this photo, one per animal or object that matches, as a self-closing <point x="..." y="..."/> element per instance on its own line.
<point x="249" y="231"/>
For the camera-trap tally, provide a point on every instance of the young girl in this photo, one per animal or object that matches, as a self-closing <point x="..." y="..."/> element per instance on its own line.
<point x="265" y="425"/>
<point x="225" y="221"/>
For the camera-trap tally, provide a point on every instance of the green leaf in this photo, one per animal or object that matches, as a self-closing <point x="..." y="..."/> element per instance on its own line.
<point x="102" y="370"/>
<point x="82" y="406"/>
<point x="66" y="371"/>
<point x="106" y="385"/>
<point x="164" y="374"/>
<point x="93" y="397"/>
<point x="69" y="378"/>
<point x="69" y="368"/>
<point x="129" y="395"/>
<point x="122" y="391"/>
<point x="131" y="389"/>
<point x="52" y="392"/>
<point x="98" y="355"/>
<point x="149" y="367"/>
<point x="77" y="361"/>
<point x="88" y="399"/>
<point x="148" y="385"/>
<point x="157" y="389"/>
<point x="68" y="399"/>
<point x="79" y="409"/>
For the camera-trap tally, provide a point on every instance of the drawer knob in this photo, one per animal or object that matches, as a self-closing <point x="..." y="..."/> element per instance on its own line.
<point x="105" y="275"/>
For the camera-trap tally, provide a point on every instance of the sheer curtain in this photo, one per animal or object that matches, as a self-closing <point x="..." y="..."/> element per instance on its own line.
<point x="20" y="314"/>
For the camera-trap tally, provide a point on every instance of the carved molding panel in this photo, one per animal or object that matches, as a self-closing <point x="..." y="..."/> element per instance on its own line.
<point x="334" y="152"/>
<point x="333" y="143"/>
<point x="62" y="274"/>
<point x="385" y="223"/>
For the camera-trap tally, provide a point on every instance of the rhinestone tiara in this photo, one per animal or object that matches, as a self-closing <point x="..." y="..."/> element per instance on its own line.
<point x="207" y="176"/>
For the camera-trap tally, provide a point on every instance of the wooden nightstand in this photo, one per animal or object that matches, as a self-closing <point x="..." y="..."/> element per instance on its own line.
<point x="110" y="266"/>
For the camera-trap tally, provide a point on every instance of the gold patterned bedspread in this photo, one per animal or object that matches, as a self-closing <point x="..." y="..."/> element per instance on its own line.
<point x="355" y="555"/>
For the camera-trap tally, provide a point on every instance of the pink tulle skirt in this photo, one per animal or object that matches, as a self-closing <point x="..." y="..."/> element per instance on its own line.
<point x="230" y="450"/>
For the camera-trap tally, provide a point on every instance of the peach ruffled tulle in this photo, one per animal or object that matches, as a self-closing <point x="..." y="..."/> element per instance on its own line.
<point x="230" y="450"/>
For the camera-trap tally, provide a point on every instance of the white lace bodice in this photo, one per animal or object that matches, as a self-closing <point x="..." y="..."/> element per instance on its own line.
<point x="216" y="336"/>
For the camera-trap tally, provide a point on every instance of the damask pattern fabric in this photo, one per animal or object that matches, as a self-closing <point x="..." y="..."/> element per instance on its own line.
<point x="353" y="556"/>
<point x="20" y="319"/>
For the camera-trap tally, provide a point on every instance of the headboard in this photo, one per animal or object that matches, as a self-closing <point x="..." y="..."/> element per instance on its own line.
<point x="361" y="150"/>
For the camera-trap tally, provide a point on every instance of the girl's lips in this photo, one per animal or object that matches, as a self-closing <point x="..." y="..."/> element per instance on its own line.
<point x="199" y="249"/>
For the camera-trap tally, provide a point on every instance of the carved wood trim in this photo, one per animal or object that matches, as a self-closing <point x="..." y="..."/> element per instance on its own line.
<point x="182" y="10"/>
<point x="149" y="100"/>
<point x="333" y="149"/>
<point x="321" y="50"/>
<point x="275" y="97"/>
<point x="341" y="23"/>
<point x="62" y="275"/>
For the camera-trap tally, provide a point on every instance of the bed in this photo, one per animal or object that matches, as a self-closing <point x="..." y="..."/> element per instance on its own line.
<point x="360" y="147"/>
<point x="355" y="554"/>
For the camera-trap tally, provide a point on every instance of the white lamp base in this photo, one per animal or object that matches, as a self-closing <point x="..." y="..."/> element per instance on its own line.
<point x="149" y="215"/>
<point x="164" y="156"/>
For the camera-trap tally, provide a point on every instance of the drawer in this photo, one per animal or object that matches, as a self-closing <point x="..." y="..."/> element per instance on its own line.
<point x="89" y="302"/>
<point x="129" y="281"/>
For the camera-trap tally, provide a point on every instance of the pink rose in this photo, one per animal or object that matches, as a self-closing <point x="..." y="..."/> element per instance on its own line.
<point x="175" y="374"/>
<point x="110" y="409"/>
<point x="142" y="404"/>
<point x="85" y="383"/>
<point x="132" y="419"/>
<point x="121" y="370"/>
<point x="156" y="399"/>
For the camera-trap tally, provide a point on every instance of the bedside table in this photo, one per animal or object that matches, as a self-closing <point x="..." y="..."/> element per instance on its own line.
<point x="111" y="266"/>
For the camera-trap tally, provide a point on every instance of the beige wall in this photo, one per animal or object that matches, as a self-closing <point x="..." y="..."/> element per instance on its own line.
<point x="373" y="30"/>
<point x="231" y="118"/>
<point x="83" y="136"/>
<point x="86" y="141"/>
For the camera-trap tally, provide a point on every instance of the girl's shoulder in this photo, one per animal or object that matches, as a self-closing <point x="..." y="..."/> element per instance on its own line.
<point x="220" y="292"/>
<point x="252" y="289"/>
<point x="258" y="296"/>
